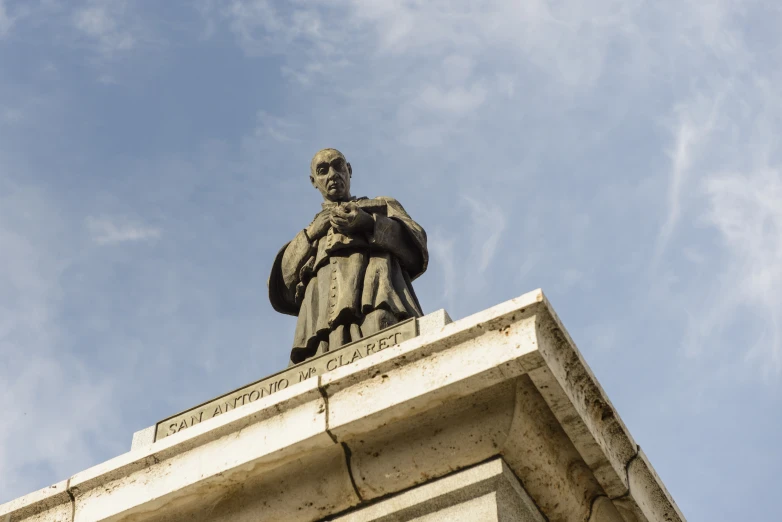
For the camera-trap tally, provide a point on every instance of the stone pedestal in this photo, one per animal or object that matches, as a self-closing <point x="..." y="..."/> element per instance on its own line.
<point x="493" y="417"/>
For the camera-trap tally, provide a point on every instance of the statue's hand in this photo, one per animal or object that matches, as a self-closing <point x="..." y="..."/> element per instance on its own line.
<point x="319" y="226"/>
<point x="350" y="218"/>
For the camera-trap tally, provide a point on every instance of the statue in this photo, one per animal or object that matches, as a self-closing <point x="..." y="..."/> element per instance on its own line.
<point x="349" y="273"/>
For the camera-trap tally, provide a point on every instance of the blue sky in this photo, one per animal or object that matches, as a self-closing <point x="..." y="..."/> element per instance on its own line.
<point x="623" y="156"/>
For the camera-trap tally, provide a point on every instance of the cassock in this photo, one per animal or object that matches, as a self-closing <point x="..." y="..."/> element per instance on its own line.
<point x="346" y="287"/>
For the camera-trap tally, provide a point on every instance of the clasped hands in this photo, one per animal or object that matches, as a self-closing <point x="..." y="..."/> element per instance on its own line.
<point x="345" y="218"/>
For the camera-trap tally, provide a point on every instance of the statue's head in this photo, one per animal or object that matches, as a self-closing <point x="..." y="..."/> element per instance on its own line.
<point x="330" y="173"/>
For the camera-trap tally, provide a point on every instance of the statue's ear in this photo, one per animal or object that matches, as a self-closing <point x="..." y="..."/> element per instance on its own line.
<point x="350" y="170"/>
<point x="312" y="180"/>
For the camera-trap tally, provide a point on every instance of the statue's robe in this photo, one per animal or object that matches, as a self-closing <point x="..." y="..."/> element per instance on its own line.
<point x="346" y="287"/>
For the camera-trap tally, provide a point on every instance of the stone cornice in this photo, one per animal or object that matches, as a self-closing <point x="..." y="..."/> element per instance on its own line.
<point x="505" y="382"/>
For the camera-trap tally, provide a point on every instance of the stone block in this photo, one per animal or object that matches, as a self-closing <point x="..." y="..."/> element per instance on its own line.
<point x="143" y="438"/>
<point x="418" y="448"/>
<point x="649" y="494"/>
<point x="464" y="357"/>
<point x="433" y="322"/>
<point x="603" y="510"/>
<point x="614" y="483"/>
<point x="429" y="324"/>
<point x="279" y="381"/>
<point x="596" y="420"/>
<point x="504" y="383"/>
<point x="52" y="504"/>
<point x="486" y="492"/>
<point x="543" y="457"/>
<point x="198" y="467"/>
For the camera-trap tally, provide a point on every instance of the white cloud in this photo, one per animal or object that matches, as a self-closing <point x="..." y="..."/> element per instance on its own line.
<point x="747" y="212"/>
<point x="695" y="122"/>
<point x="52" y="401"/>
<point x="456" y="100"/>
<point x="106" y="231"/>
<point x="439" y="69"/>
<point x="463" y="259"/>
<point x="443" y="254"/>
<point x="102" y="21"/>
<point x="6" y="20"/>
<point x="487" y="224"/>
<point x="274" y="127"/>
<point x="725" y="178"/>
<point x="429" y="60"/>
<point x="12" y="115"/>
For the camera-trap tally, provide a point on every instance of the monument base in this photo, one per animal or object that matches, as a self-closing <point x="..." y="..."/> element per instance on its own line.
<point x="492" y="417"/>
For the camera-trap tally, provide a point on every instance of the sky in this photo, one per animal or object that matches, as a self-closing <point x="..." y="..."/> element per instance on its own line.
<point x="624" y="156"/>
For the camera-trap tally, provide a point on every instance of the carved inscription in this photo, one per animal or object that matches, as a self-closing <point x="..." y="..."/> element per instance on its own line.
<point x="310" y="368"/>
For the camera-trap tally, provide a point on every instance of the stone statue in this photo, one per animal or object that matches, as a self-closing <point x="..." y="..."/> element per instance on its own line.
<point x="349" y="273"/>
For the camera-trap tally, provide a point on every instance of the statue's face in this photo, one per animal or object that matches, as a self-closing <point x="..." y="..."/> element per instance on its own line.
<point x="330" y="174"/>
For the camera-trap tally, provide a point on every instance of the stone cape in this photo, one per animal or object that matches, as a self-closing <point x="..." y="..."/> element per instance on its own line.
<point x="383" y="339"/>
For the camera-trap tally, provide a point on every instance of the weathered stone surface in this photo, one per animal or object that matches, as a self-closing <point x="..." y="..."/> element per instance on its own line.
<point x="433" y="322"/>
<point x="417" y="448"/>
<point x="613" y="483"/>
<point x="429" y="324"/>
<point x="502" y="383"/>
<point x="588" y="400"/>
<point x="52" y="504"/>
<point x="143" y="438"/>
<point x="545" y="460"/>
<point x="648" y="493"/>
<point x="603" y="510"/>
<point x="199" y="466"/>
<point x="467" y="356"/>
<point x="303" y="489"/>
<point x="279" y="381"/>
<point x="486" y="492"/>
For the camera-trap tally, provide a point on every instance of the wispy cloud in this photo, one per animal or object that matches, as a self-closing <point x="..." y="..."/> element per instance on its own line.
<point x="725" y="178"/>
<point x="443" y="254"/>
<point x="695" y="121"/>
<point x="102" y="21"/>
<point x="6" y="20"/>
<point x="434" y="69"/>
<point x="107" y="231"/>
<point x="462" y="260"/>
<point x="746" y="210"/>
<point x="11" y="115"/>
<point x="556" y="144"/>
<point x="487" y="224"/>
<point x="277" y="128"/>
<point x="37" y="359"/>
<point x="428" y="61"/>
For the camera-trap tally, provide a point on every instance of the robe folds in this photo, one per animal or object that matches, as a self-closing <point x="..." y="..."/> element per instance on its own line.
<point x="345" y="287"/>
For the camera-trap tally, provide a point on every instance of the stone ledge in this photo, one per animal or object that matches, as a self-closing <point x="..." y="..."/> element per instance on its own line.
<point x="52" y="503"/>
<point x="268" y="433"/>
<point x="504" y="382"/>
<point x="583" y="407"/>
<point x="430" y="323"/>
<point x="492" y="484"/>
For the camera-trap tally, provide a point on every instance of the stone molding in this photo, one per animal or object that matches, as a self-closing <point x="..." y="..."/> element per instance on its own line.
<point x="487" y="492"/>
<point x="506" y="382"/>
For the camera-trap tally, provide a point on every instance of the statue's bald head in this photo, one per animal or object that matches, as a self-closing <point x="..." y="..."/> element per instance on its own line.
<point x="330" y="173"/>
<point x="325" y="154"/>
